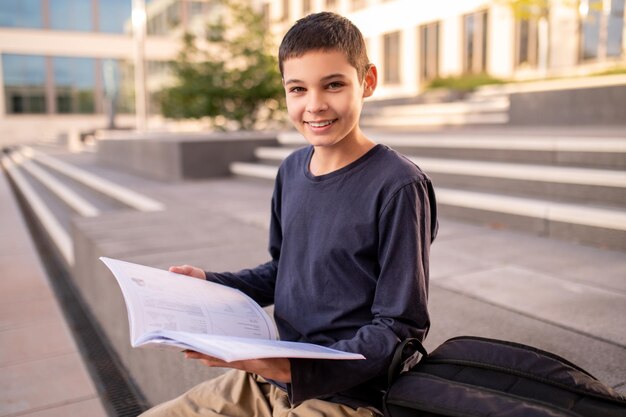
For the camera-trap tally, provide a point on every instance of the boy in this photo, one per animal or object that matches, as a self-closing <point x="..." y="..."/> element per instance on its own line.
<point x="351" y="227"/>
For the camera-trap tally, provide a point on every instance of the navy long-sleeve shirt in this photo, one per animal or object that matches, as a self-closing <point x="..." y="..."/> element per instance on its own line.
<point x="349" y="268"/>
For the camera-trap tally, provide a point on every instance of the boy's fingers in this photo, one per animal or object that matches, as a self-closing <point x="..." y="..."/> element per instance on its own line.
<point x="181" y="269"/>
<point x="188" y="270"/>
<point x="208" y="360"/>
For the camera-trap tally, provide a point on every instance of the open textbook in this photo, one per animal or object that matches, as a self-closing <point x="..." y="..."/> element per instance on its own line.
<point x="171" y="310"/>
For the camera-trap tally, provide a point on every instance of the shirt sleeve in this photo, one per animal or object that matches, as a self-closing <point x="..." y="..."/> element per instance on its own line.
<point x="258" y="283"/>
<point x="407" y="225"/>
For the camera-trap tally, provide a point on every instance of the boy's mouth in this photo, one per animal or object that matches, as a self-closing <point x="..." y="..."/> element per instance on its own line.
<point x="322" y="123"/>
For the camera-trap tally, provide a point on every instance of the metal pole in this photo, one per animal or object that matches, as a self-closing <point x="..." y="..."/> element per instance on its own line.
<point x="139" y="36"/>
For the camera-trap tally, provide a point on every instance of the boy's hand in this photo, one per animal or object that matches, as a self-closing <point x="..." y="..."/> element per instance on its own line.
<point x="189" y="270"/>
<point x="277" y="369"/>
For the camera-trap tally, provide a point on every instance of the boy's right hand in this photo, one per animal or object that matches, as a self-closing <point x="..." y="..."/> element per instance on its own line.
<point x="189" y="270"/>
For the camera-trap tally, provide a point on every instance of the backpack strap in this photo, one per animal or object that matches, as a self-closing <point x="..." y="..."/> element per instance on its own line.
<point x="404" y="351"/>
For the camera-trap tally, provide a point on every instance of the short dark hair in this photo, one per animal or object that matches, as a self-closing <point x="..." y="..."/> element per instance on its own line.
<point x="325" y="31"/>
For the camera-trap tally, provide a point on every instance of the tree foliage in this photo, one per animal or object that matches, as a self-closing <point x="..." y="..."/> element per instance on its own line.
<point x="229" y="73"/>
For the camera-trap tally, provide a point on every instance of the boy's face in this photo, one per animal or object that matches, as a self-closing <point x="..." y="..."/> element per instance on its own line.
<point x="325" y="96"/>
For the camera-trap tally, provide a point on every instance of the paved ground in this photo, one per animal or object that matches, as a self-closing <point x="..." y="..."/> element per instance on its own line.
<point x="41" y="369"/>
<point x="559" y="296"/>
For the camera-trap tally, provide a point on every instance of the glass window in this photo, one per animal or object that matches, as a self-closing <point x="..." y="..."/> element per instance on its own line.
<point x="158" y="74"/>
<point x="602" y="29"/>
<point x="429" y="51"/>
<point x="172" y="15"/>
<point x="114" y="16"/>
<point x="24" y="80"/>
<point x="161" y="20"/>
<point x="526" y="43"/>
<point x="74" y="82"/>
<point x="391" y="58"/>
<point x="358" y="4"/>
<point x="266" y="16"/>
<point x="118" y="83"/>
<point x="306" y="7"/>
<point x="475" y="42"/>
<point x="21" y="14"/>
<point x="71" y="15"/>
<point x="591" y="30"/>
<point x="331" y="4"/>
<point x="615" y="28"/>
<point x="196" y="8"/>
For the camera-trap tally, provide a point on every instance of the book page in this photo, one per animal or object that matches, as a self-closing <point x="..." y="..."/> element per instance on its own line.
<point x="236" y="348"/>
<point x="161" y="300"/>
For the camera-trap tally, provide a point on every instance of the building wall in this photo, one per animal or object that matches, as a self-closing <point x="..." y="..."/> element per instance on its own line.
<point x="93" y="45"/>
<point x="501" y="37"/>
<point x="103" y="36"/>
<point x="564" y="47"/>
<point x="375" y="18"/>
<point x="380" y="17"/>
<point x="383" y="17"/>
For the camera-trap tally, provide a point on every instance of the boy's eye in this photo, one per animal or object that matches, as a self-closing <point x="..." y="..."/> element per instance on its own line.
<point x="296" y="90"/>
<point x="335" y="85"/>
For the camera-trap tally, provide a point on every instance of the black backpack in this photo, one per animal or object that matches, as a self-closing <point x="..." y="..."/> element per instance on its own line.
<point x="475" y="376"/>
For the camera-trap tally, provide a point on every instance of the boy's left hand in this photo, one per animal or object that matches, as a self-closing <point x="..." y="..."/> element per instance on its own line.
<point x="277" y="369"/>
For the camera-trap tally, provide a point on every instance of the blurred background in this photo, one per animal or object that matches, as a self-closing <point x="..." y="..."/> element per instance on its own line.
<point x="93" y="64"/>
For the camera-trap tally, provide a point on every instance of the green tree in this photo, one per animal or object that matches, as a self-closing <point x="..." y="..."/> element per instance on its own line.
<point x="230" y="74"/>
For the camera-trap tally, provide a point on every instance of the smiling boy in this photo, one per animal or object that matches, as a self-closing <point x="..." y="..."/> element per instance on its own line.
<point x="351" y="226"/>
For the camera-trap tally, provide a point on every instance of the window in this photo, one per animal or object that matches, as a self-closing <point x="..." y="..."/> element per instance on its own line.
<point x="331" y="5"/>
<point x="267" y="16"/>
<point x="615" y="28"/>
<point x="161" y="21"/>
<point x="158" y="74"/>
<point x="21" y="14"/>
<point x="195" y="8"/>
<point x="113" y="15"/>
<point x="357" y="4"/>
<point x="429" y="51"/>
<point x="475" y="42"/>
<point x="71" y="15"/>
<point x="306" y="7"/>
<point x="602" y="28"/>
<point x="391" y="58"/>
<point x="527" y="43"/>
<point x="24" y="80"/>
<point x="173" y="15"/>
<point x="285" y="15"/>
<point x="74" y="84"/>
<point x="118" y="82"/>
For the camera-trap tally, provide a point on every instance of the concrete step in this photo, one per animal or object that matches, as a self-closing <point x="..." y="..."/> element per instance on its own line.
<point x="55" y="229"/>
<point x="555" y="182"/>
<point x="476" y="111"/>
<point x="589" y="223"/>
<point x="74" y="200"/>
<point x="58" y="191"/>
<point x="590" y="151"/>
<point x="125" y="195"/>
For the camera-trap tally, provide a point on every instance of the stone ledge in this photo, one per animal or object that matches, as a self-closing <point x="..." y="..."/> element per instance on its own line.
<point x="196" y="236"/>
<point x="602" y="105"/>
<point x="180" y="156"/>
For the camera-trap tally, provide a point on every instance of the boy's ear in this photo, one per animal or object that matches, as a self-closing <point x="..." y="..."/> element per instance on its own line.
<point x="370" y="81"/>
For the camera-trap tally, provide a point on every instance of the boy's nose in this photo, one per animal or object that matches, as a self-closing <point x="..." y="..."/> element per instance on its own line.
<point x="316" y="104"/>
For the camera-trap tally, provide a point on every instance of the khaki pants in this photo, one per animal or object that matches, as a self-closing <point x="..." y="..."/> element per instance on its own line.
<point x="239" y="394"/>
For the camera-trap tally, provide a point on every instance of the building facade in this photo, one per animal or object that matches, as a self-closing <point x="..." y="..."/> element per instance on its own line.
<point x="61" y="61"/>
<point x="413" y="42"/>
